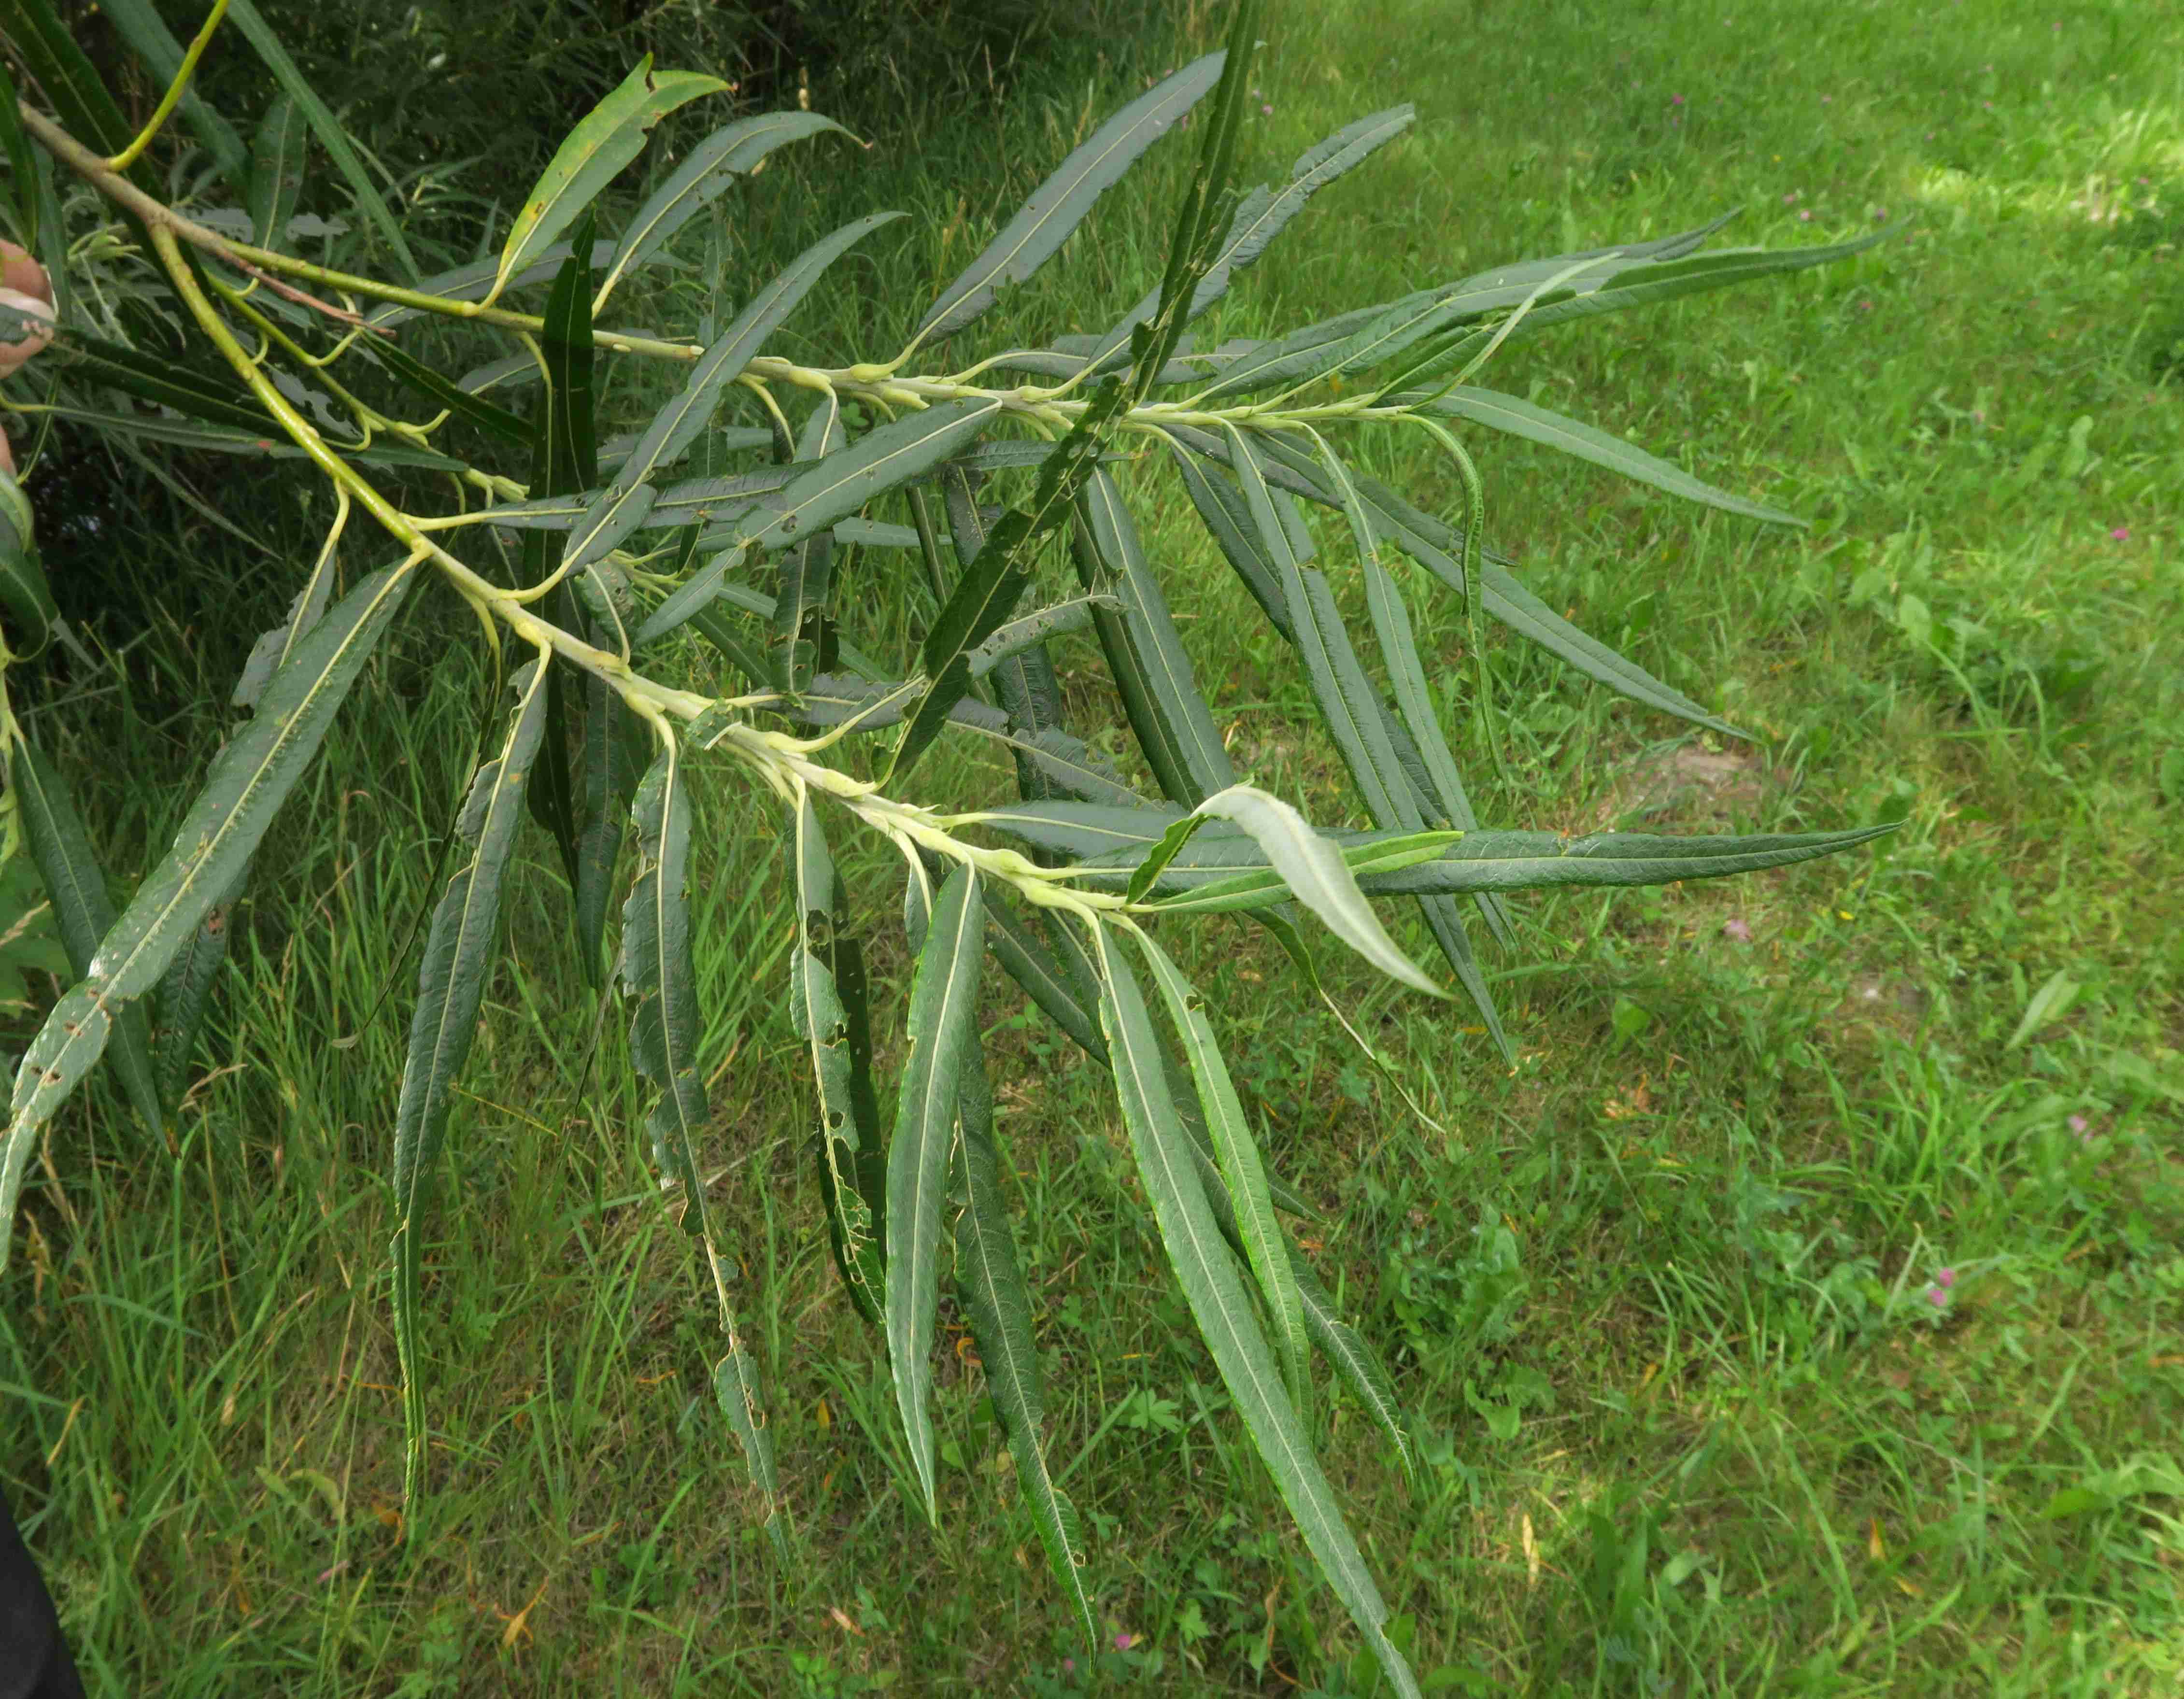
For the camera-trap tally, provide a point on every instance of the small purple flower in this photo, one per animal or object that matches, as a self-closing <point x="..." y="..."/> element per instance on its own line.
<point x="1736" y="927"/>
<point x="1865" y="306"/>
<point x="1124" y="1639"/>
<point x="2121" y="534"/>
<point x="1069" y="1666"/>
<point x="1937" y="1297"/>
<point x="1266" y="112"/>
<point x="1827" y="100"/>
<point x="1805" y="217"/>
<point x="1945" y="1278"/>
<point x="1880" y="214"/>
<point x="1676" y="100"/>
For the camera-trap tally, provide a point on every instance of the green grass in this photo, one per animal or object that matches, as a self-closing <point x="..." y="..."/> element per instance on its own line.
<point x="1658" y="1297"/>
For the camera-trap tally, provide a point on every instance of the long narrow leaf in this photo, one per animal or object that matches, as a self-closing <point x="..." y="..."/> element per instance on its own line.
<point x="1060" y="204"/>
<point x="734" y="150"/>
<point x="245" y="789"/>
<point x="943" y="1023"/>
<point x="451" y="980"/>
<point x="608" y="137"/>
<point x="1000" y="1308"/>
<point x="1241" y="1171"/>
<point x="677" y="425"/>
<point x="1223" y="1311"/>
<point x="820" y="1020"/>
<point x="82" y="910"/>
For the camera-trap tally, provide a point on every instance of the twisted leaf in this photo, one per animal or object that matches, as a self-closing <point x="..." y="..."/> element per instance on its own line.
<point x="847" y="1131"/>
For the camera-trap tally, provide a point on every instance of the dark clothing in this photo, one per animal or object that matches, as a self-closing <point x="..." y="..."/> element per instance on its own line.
<point x="33" y="1659"/>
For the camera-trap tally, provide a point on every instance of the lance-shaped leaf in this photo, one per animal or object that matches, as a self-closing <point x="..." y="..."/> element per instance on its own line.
<point x="451" y="980"/>
<point x="185" y="992"/>
<point x="1023" y="674"/>
<point x="1318" y="876"/>
<point x="1222" y="871"/>
<point x="1026" y="959"/>
<point x="1184" y="724"/>
<point x="82" y="910"/>
<point x="1031" y="630"/>
<point x="736" y="1390"/>
<point x="732" y="151"/>
<point x="212" y="396"/>
<point x="943" y="1006"/>
<point x="247" y="18"/>
<point x="1000" y="1308"/>
<point x="657" y="976"/>
<point x="48" y="51"/>
<point x="820" y="1020"/>
<point x="276" y="171"/>
<point x="1242" y="1173"/>
<point x="845" y="481"/>
<point x="677" y="424"/>
<point x="1060" y="204"/>
<point x="25" y="593"/>
<point x="991" y="583"/>
<point x="1438" y="546"/>
<point x="1518" y="418"/>
<point x="1223" y="1309"/>
<point x="245" y="789"/>
<point x="1259" y="219"/>
<point x="1671" y="275"/>
<point x="610" y="134"/>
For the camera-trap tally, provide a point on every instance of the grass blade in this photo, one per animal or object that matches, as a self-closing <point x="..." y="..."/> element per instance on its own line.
<point x="943" y="1023"/>
<point x="82" y="910"/>
<point x="999" y="1306"/>
<point x="451" y="980"/>
<point x="1223" y="1311"/>
<point x="245" y="789"/>
<point x="1060" y="204"/>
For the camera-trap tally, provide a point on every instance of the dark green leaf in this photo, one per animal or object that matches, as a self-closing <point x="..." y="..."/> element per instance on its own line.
<point x="25" y="594"/>
<point x="277" y="171"/>
<point x="847" y="1135"/>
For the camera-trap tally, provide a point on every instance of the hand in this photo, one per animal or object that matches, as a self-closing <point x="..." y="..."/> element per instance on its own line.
<point x="24" y="288"/>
